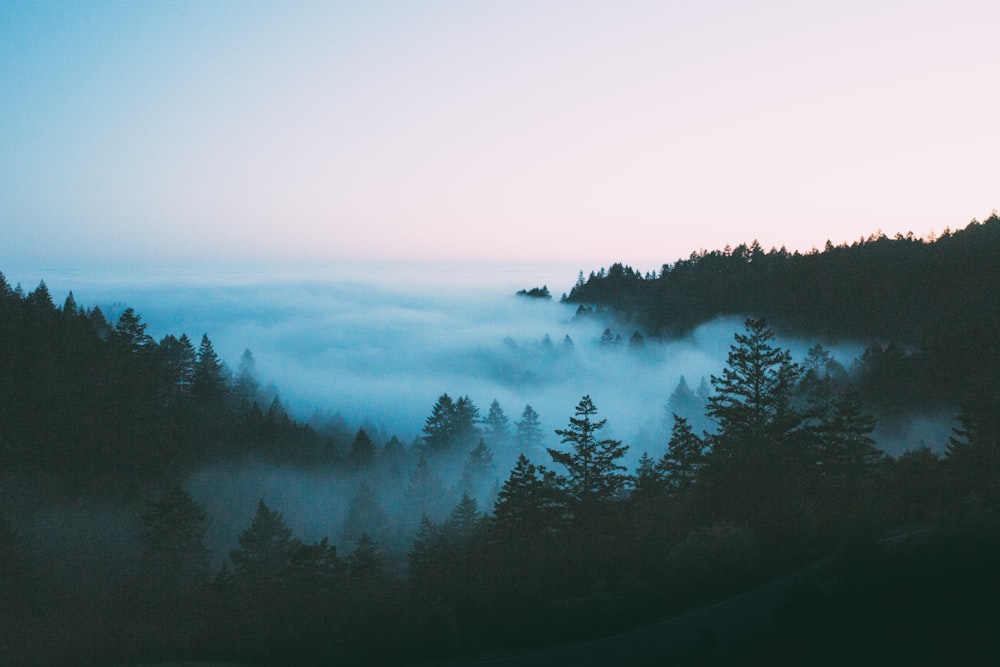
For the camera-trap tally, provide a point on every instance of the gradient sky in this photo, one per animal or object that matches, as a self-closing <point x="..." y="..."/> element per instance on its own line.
<point x="587" y="132"/>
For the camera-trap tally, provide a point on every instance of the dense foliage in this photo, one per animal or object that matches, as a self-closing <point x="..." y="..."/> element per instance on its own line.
<point x="786" y="472"/>
<point x="929" y="308"/>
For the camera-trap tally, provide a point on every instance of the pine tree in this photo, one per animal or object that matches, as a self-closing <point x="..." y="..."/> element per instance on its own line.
<point x="759" y="462"/>
<point x="130" y="333"/>
<point x="684" y="457"/>
<point x="649" y="480"/>
<point x="174" y="559"/>
<point x="466" y="418"/>
<point x="465" y="519"/>
<point x="594" y="474"/>
<point x="751" y="403"/>
<point x="174" y="537"/>
<point x="362" y="450"/>
<point x="439" y="427"/>
<point x="209" y="381"/>
<point x="683" y="402"/>
<point x="497" y="425"/>
<point x="530" y="499"/>
<point x="478" y="467"/>
<point x="265" y="548"/>
<point x="973" y="451"/>
<point x="247" y="385"/>
<point x="529" y="431"/>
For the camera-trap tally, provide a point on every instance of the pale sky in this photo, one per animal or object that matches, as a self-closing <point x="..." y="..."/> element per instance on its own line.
<point x="583" y="132"/>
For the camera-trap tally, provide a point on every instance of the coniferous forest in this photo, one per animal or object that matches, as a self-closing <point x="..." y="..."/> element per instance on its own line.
<point x="772" y="468"/>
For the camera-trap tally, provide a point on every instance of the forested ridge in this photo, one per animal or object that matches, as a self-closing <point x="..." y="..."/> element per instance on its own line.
<point x="567" y="545"/>
<point x="928" y="308"/>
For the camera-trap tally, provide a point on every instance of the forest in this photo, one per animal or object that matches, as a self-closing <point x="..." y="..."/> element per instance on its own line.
<point x="770" y="466"/>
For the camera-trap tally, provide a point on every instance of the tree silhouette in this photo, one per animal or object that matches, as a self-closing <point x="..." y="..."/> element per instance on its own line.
<point x="684" y="457"/>
<point x="529" y="431"/>
<point x="593" y="471"/>
<point x="497" y="425"/>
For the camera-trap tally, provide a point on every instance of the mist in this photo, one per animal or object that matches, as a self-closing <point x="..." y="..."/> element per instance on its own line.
<point x="377" y="346"/>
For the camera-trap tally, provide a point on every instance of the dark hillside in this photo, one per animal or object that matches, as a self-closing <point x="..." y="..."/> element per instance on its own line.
<point x="939" y="299"/>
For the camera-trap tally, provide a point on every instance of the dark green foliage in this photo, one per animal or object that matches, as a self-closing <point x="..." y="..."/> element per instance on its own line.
<point x="530" y="501"/>
<point x="362" y="450"/>
<point x="791" y="474"/>
<point x="529" y="432"/>
<point x="594" y="474"/>
<point x="497" y="425"/>
<point x="478" y="469"/>
<point x="210" y="382"/>
<point x="451" y="424"/>
<point x="174" y="538"/>
<point x="682" y="402"/>
<point x="536" y="293"/>
<point x="246" y="388"/>
<point x="973" y="452"/>
<point x="265" y="548"/>
<point x="939" y="296"/>
<point x="752" y="401"/>
<point x="758" y="464"/>
<point x="681" y="464"/>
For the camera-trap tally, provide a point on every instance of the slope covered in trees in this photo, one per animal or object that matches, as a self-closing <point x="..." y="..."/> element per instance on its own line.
<point x="571" y="544"/>
<point x="928" y="307"/>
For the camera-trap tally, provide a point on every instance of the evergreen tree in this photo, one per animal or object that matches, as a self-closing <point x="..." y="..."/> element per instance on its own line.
<point x="842" y="434"/>
<point x="530" y="500"/>
<point x="751" y="403"/>
<point x="367" y="565"/>
<point x="169" y="590"/>
<point x="478" y="467"/>
<point x="70" y="306"/>
<point x="594" y="474"/>
<point x="649" y="480"/>
<point x="265" y="548"/>
<point x="684" y="457"/>
<point x="177" y="361"/>
<point x="497" y="425"/>
<point x="174" y="539"/>
<point x="209" y="381"/>
<point x="362" y="451"/>
<point x="973" y="451"/>
<point x="439" y="428"/>
<point x="130" y="333"/>
<point x="758" y="463"/>
<point x="466" y="418"/>
<point x="683" y="402"/>
<point x="529" y="431"/>
<point x="465" y="519"/>
<point x="247" y="385"/>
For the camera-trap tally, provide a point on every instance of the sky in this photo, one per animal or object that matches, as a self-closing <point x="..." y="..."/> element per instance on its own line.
<point x="170" y="133"/>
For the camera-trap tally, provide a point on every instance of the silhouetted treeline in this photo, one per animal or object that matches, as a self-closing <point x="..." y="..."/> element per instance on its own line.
<point x="93" y="406"/>
<point x="572" y="546"/>
<point x="928" y="308"/>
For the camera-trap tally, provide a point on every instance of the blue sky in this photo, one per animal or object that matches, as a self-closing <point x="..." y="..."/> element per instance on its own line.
<point x="581" y="132"/>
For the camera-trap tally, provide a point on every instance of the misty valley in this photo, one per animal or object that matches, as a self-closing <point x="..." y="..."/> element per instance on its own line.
<point x="337" y="469"/>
